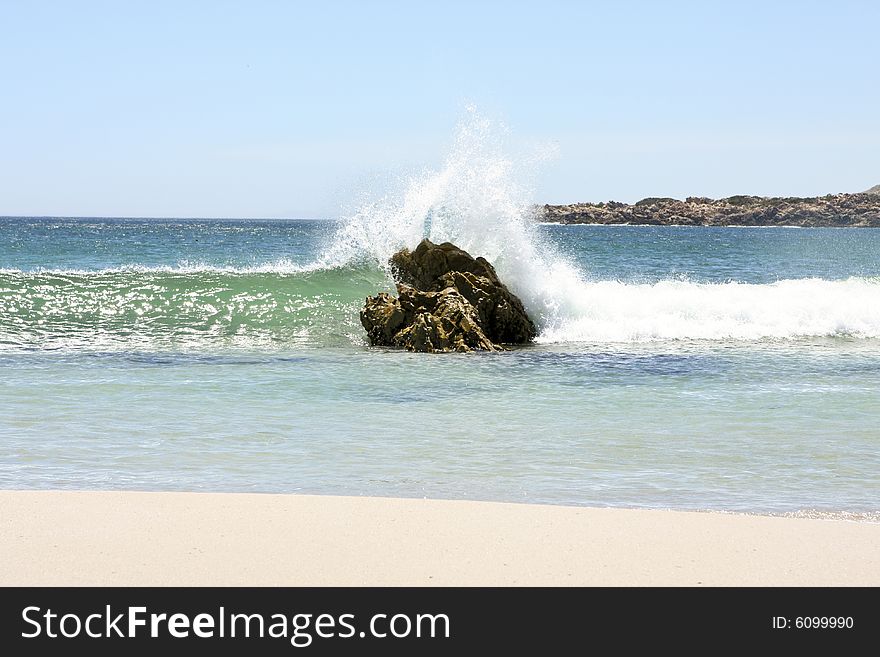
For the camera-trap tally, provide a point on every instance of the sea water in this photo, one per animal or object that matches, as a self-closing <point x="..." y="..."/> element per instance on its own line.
<point x="692" y="368"/>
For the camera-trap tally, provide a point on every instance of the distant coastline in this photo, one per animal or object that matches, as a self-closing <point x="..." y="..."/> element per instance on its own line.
<point x="834" y="210"/>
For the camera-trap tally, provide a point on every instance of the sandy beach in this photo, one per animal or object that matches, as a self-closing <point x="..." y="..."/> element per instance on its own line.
<point x="133" y="539"/>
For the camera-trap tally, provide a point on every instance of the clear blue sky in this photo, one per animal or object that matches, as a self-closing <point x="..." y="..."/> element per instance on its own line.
<point x="271" y="109"/>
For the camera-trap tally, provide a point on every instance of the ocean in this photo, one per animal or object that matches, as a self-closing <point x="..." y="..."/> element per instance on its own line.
<point x="689" y="368"/>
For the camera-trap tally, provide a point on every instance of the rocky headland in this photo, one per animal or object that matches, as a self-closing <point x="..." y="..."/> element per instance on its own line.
<point x="446" y="300"/>
<point x="852" y="210"/>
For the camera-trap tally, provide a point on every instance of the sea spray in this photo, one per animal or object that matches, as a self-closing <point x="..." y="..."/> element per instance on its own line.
<point x="476" y="201"/>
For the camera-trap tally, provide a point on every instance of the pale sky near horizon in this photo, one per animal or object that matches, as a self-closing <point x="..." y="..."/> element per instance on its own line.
<point x="289" y="109"/>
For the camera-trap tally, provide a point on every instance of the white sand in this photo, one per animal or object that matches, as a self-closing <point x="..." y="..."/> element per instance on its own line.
<point x="128" y="538"/>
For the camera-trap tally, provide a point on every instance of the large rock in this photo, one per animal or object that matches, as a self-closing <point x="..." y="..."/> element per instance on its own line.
<point x="447" y="301"/>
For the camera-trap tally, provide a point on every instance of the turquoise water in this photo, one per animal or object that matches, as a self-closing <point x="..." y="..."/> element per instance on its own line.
<point x="694" y="368"/>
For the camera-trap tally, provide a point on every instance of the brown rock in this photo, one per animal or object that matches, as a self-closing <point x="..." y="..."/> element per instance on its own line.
<point x="857" y="210"/>
<point x="425" y="267"/>
<point x="447" y="301"/>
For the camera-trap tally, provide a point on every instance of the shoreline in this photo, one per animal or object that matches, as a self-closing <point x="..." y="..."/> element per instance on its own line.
<point x="860" y="210"/>
<point x="54" y="538"/>
<point x="636" y="225"/>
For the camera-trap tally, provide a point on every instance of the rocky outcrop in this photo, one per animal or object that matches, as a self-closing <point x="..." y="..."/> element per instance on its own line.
<point x="856" y="210"/>
<point x="446" y="300"/>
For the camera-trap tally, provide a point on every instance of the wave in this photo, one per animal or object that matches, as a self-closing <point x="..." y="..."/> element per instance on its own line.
<point x="475" y="201"/>
<point x="203" y="307"/>
<point x="611" y="311"/>
<point x="183" y="307"/>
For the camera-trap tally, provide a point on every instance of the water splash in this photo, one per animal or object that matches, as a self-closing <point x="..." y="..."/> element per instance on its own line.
<point x="476" y="200"/>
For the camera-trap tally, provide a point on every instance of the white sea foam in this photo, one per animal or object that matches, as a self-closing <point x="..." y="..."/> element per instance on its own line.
<point x="610" y="311"/>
